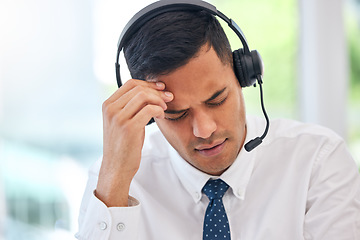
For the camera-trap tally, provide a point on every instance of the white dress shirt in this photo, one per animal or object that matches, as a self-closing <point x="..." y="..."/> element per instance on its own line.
<point x="300" y="183"/>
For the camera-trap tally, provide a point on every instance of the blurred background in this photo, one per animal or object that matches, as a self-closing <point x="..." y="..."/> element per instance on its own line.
<point x="57" y="67"/>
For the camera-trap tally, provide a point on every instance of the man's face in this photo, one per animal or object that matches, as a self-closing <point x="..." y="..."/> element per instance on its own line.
<point x="205" y="122"/>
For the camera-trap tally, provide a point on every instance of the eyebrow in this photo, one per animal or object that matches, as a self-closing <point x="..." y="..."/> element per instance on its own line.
<point x="214" y="96"/>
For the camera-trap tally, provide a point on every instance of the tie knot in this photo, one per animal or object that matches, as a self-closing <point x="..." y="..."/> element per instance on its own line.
<point x="215" y="189"/>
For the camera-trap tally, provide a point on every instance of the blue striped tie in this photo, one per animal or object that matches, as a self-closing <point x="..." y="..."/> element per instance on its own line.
<point x="216" y="224"/>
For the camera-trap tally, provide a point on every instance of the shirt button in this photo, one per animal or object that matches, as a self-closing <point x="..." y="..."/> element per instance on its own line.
<point x="240" y="193"/>
<point x="102" y="225"/>
<point x="120" y="227"/>
<point x="197" y="195"/>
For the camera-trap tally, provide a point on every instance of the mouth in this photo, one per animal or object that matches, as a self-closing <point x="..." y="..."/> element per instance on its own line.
<point x="211" y="150"/>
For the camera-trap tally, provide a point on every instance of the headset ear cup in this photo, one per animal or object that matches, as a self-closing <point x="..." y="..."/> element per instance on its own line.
<point x="257" y="63"/>
<point x="253" y="66"/>
<point x="247" y="67"/>
<point x="238" y="69"/>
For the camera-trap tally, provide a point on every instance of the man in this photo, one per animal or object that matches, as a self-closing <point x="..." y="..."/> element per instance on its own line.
<point x="153" y="182"/>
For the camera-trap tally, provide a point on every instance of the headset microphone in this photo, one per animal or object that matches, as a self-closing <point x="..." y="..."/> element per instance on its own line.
<point x="258" y="140"/>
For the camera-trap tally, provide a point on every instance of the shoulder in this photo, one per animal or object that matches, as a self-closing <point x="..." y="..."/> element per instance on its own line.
<point x="303" y="145"/>
<point x="293" y="129"/>
<point x="291" y="134"/>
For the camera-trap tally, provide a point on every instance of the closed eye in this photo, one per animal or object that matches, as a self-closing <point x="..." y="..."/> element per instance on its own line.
<point x="178" y="118"/>
<point x="214" y="104"/>
<point x="211" y="102"/>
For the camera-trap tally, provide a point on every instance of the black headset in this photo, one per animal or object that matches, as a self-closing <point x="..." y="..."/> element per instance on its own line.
<point x="248" y="65"/>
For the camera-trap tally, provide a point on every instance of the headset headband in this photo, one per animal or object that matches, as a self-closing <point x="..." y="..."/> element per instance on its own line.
<point x="247" y="65"/>
<point x="162" y="6"/>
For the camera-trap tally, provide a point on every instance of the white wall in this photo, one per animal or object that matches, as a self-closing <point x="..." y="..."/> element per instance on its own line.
<point x="323" y="64"/>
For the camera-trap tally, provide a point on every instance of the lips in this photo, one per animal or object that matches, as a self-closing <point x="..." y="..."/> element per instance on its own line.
<point x="212" y="149"/>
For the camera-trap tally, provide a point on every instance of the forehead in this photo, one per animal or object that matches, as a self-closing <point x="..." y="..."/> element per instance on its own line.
<point x="201" y="77"/>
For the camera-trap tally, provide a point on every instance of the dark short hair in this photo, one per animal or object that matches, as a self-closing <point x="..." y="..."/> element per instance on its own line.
<point x="171" y="39"/>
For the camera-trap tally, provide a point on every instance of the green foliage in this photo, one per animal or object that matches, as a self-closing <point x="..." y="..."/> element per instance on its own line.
<point x="352" y="23"/>
<point x="271" y="28"/>
<point x="353" y="36"/>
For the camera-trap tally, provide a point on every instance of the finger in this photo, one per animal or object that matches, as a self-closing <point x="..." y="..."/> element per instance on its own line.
<point x="143" y="95"/>
<point x="133" y="83"/>
<point x="141" y="100"/>
<point x="146" y="113"/>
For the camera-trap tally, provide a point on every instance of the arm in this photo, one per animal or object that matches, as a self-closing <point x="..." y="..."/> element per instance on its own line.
<point x="107" y="211"/>
<point x="125" y="115"/>
<point x="333" y="205"/>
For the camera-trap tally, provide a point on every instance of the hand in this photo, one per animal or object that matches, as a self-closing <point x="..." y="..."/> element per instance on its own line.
<point x="125" y="115"/>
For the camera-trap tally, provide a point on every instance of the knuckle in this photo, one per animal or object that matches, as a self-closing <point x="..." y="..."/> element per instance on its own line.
<point x="153" y="110"/>
<point x="105" y="106"/>
<point x="118" y="120"/>
<point x="139" y="88"/>
<point x="130" y="83"/>
<point x="143" y="95"/>
<point x="108" y="111"/>
<point x="133" y="83"/>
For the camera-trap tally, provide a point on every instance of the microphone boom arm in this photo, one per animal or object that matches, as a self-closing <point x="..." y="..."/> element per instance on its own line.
<point x="258" y="140"/>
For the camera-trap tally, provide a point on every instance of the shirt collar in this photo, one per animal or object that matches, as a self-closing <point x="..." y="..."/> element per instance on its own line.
<point x="237" y="176"/>
<point x="191" y="178"/>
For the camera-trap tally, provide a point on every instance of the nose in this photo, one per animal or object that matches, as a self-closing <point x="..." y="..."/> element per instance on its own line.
<point x="203" y="124"/>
